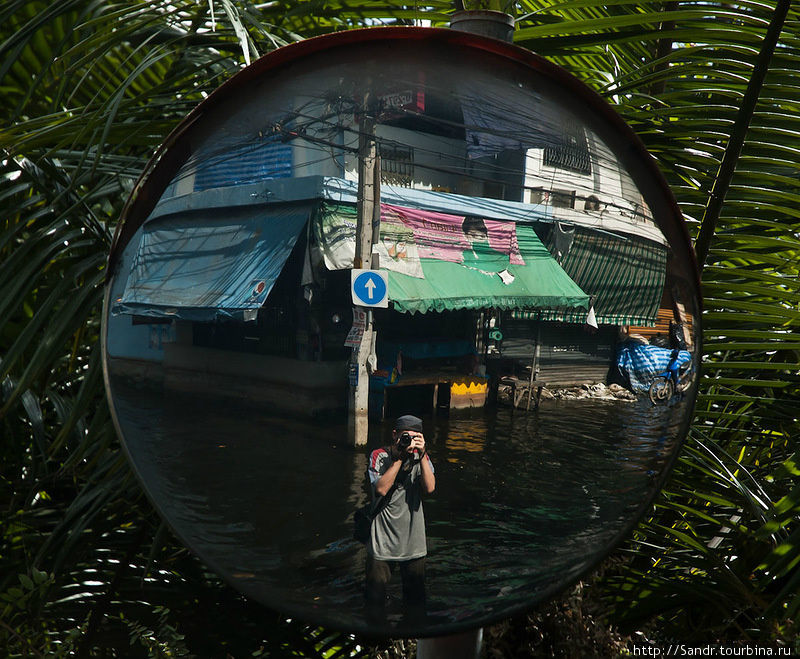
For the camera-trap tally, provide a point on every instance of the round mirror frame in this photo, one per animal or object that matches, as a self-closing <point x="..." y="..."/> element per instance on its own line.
<point x="623" y="142"/>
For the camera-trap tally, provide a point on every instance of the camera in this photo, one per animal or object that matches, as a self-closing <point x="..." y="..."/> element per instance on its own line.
<point x="405" y="441"/>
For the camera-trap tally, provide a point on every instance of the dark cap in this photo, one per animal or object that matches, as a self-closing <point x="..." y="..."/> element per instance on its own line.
<point x="408" y="422"/>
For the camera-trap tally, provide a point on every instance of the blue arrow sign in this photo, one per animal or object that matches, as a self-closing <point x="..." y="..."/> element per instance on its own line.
<point x="369" y="288"/>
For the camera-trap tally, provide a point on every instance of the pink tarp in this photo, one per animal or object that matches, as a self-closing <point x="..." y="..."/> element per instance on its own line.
<point x="442" y="236"/>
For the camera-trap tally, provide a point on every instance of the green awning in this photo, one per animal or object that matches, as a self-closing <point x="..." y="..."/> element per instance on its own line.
<point x="625" y="274"/>
<point x="441" y="262"/>
<point x="476" y="284"/>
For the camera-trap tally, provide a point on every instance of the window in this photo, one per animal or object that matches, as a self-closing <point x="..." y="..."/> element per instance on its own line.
<point x="572" y="153"/>
<point x="557" y="198"/>
<point x="397" y="164"/>
<point x="562" y="198"/>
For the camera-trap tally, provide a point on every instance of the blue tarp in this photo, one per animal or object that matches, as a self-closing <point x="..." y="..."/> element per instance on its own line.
<point x="640" y="363"/>
<point x="210" y="263"/>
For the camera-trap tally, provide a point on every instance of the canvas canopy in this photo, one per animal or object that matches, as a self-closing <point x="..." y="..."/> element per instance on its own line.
<point x="442" y="262"/>
<point x="624" y="274"/>
<point x="210" y="263"/>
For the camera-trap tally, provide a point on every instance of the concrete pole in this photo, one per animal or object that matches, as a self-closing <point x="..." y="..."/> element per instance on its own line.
<point x="368" y="205"/>
<point x="367" y="193"/>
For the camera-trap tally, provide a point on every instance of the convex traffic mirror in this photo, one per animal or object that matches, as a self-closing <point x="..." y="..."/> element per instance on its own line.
<point x="539" y="339"/>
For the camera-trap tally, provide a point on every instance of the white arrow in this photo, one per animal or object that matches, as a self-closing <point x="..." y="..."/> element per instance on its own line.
<point x="370" y="286"/>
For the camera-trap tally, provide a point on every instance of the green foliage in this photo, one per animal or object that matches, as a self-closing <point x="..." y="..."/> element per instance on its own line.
<point x="163" y="641"/>
<point x="89" y="89"/>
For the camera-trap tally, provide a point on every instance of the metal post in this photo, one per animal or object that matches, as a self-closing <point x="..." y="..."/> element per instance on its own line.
<point x="368" y="184"/>
<point x="537" y="351"/>
<point x="466" y="645"/>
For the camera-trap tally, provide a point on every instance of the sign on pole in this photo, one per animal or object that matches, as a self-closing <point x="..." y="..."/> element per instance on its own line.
<point x="369" y="288"/>
<point x="356" y="333"/>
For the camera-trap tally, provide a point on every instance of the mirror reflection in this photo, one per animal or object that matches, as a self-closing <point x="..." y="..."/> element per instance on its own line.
<point x="510" y="410"/>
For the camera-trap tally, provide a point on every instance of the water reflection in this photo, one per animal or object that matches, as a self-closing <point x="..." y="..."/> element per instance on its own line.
<point x="524" y="502"/>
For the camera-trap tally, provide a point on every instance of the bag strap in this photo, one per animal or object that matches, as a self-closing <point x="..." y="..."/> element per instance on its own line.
<point x="381" y="502"/>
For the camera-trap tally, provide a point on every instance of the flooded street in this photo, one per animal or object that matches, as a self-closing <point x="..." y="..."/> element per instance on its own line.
<point x="523" y="502"/>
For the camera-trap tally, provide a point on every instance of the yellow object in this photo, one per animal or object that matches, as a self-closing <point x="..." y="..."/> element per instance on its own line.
<point x="460" y="389"/>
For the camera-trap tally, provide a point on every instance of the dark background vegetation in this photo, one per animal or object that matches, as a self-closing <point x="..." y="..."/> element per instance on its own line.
<point x="90" y="88"/>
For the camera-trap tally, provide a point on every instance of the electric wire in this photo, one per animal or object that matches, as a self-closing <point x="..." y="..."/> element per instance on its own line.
<point x="327" y="125"/>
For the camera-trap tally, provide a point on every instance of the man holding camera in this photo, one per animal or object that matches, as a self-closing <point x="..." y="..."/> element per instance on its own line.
<point x="404" y="472"/>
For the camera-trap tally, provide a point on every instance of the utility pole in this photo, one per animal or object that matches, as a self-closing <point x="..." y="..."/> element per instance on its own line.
<point x="367" y="230"/>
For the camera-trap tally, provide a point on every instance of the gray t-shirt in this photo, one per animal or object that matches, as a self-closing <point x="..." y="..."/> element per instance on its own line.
<point x="398" y="531"/>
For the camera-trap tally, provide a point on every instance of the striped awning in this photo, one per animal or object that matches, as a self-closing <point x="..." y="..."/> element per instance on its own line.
<point x="624" y="274"/>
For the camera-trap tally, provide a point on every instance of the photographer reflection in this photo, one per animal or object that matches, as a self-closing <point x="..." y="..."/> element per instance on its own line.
<point x="401" y="473"/>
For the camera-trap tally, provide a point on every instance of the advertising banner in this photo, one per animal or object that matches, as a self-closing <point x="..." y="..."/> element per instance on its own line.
<point x="408" y="235"/>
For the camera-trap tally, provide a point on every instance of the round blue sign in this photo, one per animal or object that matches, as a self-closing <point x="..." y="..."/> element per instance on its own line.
<point x="369" y="288"/>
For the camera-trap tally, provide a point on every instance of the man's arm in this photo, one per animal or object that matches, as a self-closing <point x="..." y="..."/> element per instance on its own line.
<point x="428" y="478"/>
<point x="385" y="482"/>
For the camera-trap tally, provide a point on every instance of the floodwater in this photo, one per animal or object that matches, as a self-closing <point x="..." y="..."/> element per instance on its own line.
<point x="524" y="502"/>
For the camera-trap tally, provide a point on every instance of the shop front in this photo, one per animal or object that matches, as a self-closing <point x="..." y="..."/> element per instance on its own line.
<point x="259" y="291"/>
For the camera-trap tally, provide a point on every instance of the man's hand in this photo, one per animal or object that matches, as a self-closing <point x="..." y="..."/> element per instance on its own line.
<point x="417" y="444"/>
<point x="394" y="452"/>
